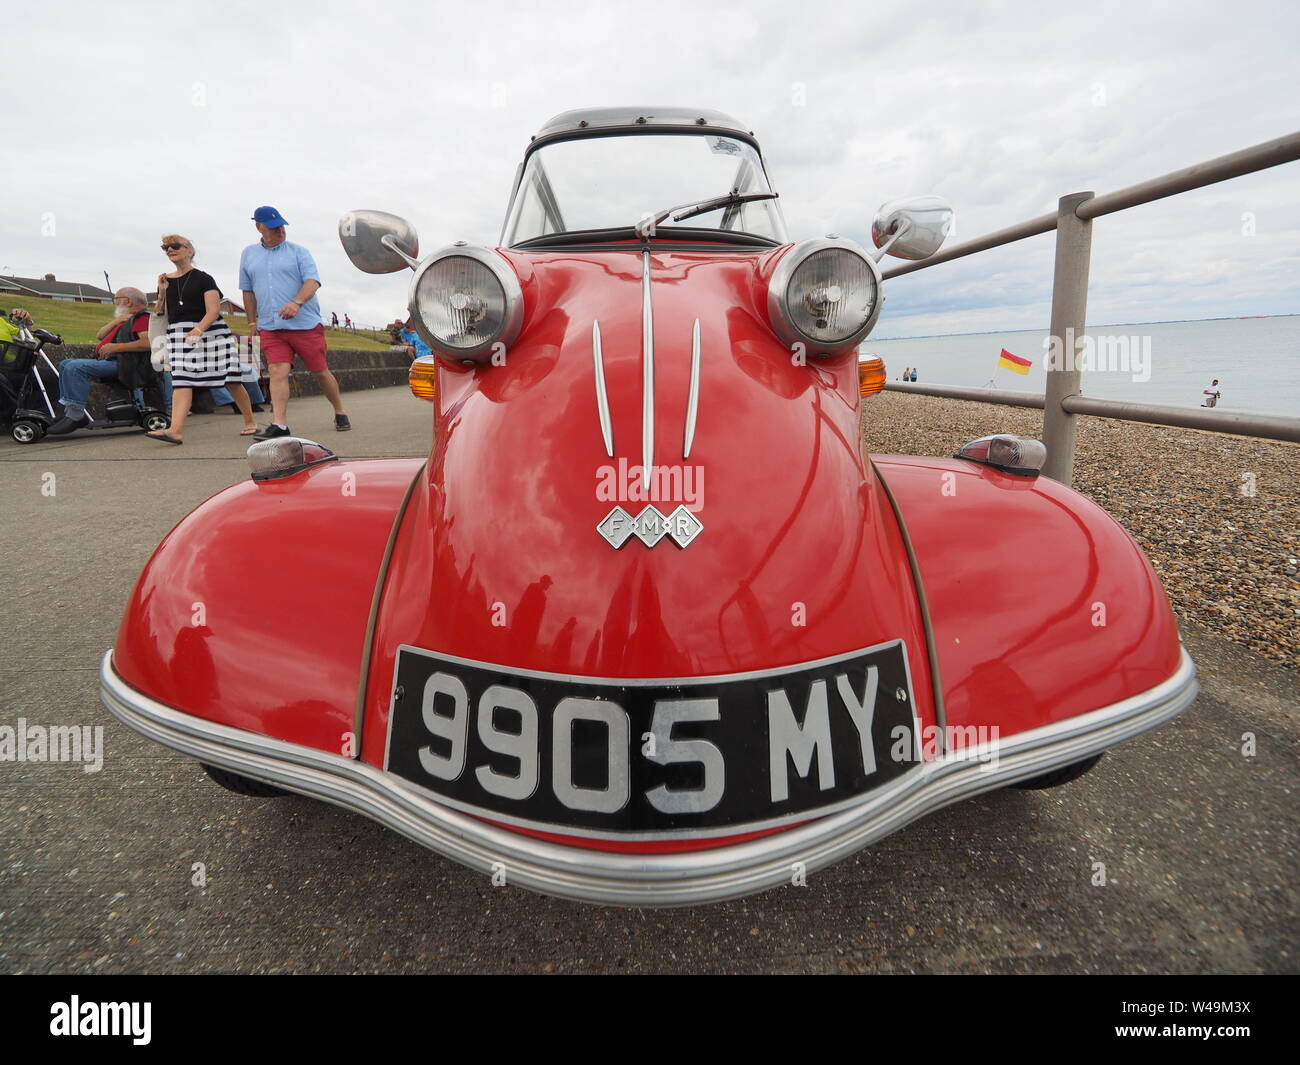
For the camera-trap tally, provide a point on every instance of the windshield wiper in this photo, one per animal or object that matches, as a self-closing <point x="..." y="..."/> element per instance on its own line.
<point x="698" y="207"/>
<point x="615" y="239"/>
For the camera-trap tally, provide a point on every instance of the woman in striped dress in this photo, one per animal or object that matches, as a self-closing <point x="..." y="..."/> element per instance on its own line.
<point x="201" y="348"/>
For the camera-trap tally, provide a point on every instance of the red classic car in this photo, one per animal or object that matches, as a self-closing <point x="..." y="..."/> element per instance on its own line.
<point x="649" y="625"/>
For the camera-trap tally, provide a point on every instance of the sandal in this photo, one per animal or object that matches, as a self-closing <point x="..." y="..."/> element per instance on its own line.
<point x="164" y="438"/>
<point x="249" y="431"/>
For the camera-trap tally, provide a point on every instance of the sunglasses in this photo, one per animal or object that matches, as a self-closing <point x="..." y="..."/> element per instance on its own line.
<point x="173" y="247"/>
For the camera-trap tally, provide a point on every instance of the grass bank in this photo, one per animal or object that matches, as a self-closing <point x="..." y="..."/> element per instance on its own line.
<point x="78" y="323"/>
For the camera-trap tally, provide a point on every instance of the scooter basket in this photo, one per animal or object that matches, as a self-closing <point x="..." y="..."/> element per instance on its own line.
<point x="15" y="358"/>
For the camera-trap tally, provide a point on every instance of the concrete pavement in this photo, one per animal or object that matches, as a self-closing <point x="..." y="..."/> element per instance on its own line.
<point x="98" y="870"/>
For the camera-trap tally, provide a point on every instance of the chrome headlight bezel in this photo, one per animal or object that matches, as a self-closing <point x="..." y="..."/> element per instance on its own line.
<point x="512" y="320"/>
<point x="778" y="310"/>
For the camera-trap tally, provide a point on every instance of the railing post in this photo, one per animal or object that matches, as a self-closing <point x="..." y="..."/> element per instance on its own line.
<point x="1069" y="320"/>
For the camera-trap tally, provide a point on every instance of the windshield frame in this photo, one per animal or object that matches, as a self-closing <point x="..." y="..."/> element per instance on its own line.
<point x="697" y="233"/>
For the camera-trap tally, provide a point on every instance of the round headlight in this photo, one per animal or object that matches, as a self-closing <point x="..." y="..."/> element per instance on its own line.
<point x="825" y="295"/>
<point x="465" y="301"/>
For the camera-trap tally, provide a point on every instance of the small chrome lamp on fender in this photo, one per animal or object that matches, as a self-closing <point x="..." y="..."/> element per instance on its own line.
<point x="1020" y="455"/>
<point x="283" y="456"/>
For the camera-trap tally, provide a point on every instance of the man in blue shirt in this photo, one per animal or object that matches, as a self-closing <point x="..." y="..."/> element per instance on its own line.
<point x="279" y="281"/>
<point x="414" y="341"/>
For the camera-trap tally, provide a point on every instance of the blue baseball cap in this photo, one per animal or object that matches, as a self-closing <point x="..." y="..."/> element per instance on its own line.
<point x="269" y="217"/>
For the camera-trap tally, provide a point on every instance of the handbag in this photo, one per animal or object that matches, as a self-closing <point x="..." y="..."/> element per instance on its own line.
<point x="159" y="356"/>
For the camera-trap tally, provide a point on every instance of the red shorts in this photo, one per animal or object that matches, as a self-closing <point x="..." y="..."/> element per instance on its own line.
<point x="281" y="345"/>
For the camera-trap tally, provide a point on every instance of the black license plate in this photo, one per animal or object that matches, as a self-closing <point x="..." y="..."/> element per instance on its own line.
<point x="653" y="757"/>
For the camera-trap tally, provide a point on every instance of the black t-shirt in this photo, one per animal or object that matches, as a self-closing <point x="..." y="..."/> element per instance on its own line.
<point x="190" y="289"/>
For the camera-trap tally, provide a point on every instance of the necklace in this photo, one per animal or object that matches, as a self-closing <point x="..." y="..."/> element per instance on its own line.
<point x="180" y="289"/>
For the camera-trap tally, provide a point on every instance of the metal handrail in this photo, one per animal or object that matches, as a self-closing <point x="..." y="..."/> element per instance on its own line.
<point x="976" y="395"/>
<point x="1236" y="423"/>
<point x="1072" y="221"/>
<point x="1234" y="164"/>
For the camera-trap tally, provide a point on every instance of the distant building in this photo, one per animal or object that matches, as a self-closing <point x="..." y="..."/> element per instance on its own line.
<point x="51" y="288"/>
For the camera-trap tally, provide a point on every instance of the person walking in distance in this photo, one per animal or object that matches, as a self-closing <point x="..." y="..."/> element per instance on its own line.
<point x="279" y="280"/>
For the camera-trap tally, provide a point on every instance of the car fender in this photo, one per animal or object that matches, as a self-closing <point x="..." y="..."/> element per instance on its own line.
<point x="1042" y="606"/>
<point x="253" y="611"/>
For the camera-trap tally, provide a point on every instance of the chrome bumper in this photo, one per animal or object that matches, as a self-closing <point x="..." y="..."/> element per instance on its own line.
<point x="645" y="879"/>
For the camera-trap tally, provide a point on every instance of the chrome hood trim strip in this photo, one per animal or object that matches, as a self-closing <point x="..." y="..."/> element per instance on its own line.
<point x="693" y="397"/>
<point x="602" y="399"/>
<point x="643" y="879"/>
<point x="647" y="376"/>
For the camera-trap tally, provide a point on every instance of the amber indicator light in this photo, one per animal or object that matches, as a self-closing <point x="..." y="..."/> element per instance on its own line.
<point x="423" y="377"/>
<point x="871" y="375"/>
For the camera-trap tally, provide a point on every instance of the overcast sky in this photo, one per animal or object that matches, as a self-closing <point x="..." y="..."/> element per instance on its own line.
<point x="124" y="121"/>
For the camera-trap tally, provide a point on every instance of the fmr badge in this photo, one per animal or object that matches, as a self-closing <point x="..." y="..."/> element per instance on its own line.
<point x="681" y="526"/>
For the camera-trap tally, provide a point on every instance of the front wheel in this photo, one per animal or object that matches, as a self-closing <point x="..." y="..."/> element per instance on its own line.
<point x="242" y="785"/>
<point x="156" y="422"/>
<point x="1057" y="777"/>
<point x="27" y="431"/>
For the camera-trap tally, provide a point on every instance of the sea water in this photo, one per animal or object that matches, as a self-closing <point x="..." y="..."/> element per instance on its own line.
<point x="1256" y="361"/>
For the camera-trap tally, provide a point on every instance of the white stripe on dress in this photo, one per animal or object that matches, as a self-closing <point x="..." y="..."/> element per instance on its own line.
<point x="216" y="360"/>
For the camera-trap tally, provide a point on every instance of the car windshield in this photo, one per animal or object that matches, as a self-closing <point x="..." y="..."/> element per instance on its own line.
<point x="612" y="183"/>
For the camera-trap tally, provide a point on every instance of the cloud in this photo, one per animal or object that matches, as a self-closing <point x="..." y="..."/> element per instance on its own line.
<point x="166" y="117"/>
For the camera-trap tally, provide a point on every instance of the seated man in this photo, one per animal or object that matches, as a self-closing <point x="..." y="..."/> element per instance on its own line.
<point x="414" y="342"/>
<point x="221" y="397"/>
<point x="128" y="332"/>
<point x="250" y="360"/>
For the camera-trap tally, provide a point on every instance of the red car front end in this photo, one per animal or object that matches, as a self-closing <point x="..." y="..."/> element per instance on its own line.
<point x="650" y="626"/>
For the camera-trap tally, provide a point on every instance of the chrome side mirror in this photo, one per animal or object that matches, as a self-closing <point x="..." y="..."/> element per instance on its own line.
<point x="378" y="242"/>
<point x="912" y="228"/>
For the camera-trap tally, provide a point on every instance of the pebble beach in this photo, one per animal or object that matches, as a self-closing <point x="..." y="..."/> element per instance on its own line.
<point x="1217" y="515"/>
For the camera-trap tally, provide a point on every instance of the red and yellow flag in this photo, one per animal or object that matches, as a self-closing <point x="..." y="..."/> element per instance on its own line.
<point x="1014" y="363"/>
